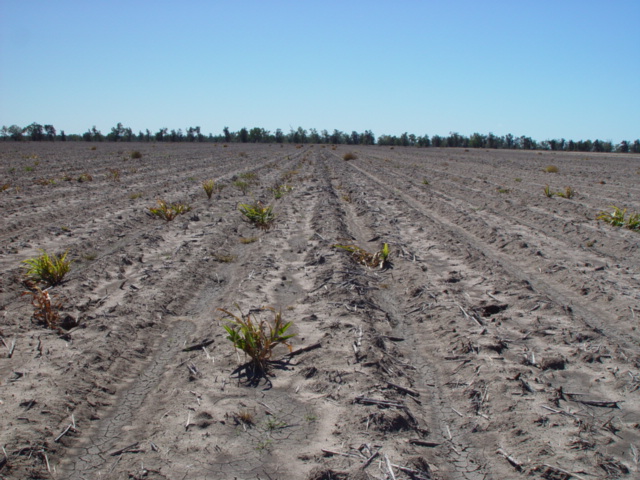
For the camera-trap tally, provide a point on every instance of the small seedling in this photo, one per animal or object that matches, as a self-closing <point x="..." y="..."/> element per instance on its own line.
<point x="548" y="192"/>
<point x="425" y="181"/>
<point x="45" y="309"/>
<point x="48" y="269"/>
<point x="280" y="190"/>
<point x="242" y="186"/>
<point x="135" y="196"/>
<point x="168" y="211"/>
<point x="380" y="259"/>
<point x="85" y="177"/>
<point x="503" y="190"/>
<point x="257" y="213"/>
<point x="114" y="174"/>
<point x="568" y="193"/>
<point x="256" y="337"/>
<point x="518" y="179"/>
<point x="208" y="186"/>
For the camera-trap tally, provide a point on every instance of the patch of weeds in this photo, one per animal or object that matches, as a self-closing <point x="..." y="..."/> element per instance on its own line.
<point x="310" y="418"/>
<point x="209" y="186"/>
<point x="90" y="257"/>
<point x="380" y="259"/>
<point x="518" y="179"/>
<point x="169" y="211"/>
<point x="135" y="196"/>
<point x="28" y="168"/>
<point x="46" y="310"/>
<point x="258" y="214"/>
<point x="264" y="444"/>
<point x="503" y="190"/>
<point x="551" y="169"/>
<point x="45" y="181"/>
<point x="48" y="269"/>
<point x="349" y="156"/>
<point x="250" y="177"/>
<point x="67" y="178"/>
<point x="346" y="197"/>
<point x="568" y="193"/>
<point x="93" y="148"/>
<point x="548" y="192"/>
<point x="257" y="337"/>
<point x="590" y="243"/>
<point x="244" y="418"/>
<point x="274" y="423"/>
<point x="85" y="177"/>
<point x="243" y="155"/>
<point x="136" y="154"/>
<point x="248" y="240"/>
<point x="425" y="181"/>
<point x="242" y="186"/>
<point x="618" y="218"/>
<point x="281" y="190"/>
<point x="5" y="187"/>
<point x="114" y="174"/>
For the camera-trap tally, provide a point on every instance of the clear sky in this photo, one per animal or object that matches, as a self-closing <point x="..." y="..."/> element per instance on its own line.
<point x="544" y="69"/>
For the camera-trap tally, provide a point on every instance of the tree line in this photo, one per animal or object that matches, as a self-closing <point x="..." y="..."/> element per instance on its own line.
<point x="120" y="133"/>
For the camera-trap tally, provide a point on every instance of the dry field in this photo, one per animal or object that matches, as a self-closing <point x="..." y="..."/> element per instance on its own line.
<point x="502" y="342"/>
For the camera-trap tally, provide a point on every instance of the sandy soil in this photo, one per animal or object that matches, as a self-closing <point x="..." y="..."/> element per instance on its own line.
<point x="502" y="343"/>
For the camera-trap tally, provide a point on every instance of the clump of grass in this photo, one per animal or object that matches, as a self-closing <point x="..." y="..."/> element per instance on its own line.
<point x="169" y="211"/>
<point x="114" y="174"/>
<point x="242" y="186"/>
<point x="425" y="181"/>
<point x="93" y="148"/>
<point x="136" y="154"/>
<point x="135" y="196"/>
<point x="209" y="186"/>
<point x="260" y="215"/>
<point x="503" y="190"/>
<point x="618" y="218"/>
<point x="551" y="169"/>
<point x="46" y="310"/>
<point x="548" y="192"/>
<point x="257" y="337"/>
<point x="85" y="177"/>
<point x="4" y="187"/>
<point x="48" y="269"/>
<point x="349" y="156"/>
<point x="28" y="168"/>
<point x="568" y="193"/>
<point x="245" y="418"/>
<point x="379" y="259"/>
<point x="45" y="181"/>
<point x="518" y="179"/>
<point x="248" y="240"/>
<point x="281" y="190"/>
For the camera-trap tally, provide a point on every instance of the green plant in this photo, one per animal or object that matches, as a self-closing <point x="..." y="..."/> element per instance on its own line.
<point x="169" y="211"/>
<point x="5" y="186"/>
<point x="548" y="192"/>
<point x="136" y="154"/>
<point x="248" y="240"/>
<point x="242" y="186"/>
<point x="380" y="259"/>
<point x="208" y="186"/>
<point x="518" y="179"/>
<point x="551" y="169"/>
<point x="257" y="337"/>
<point x="85" y="177"/>
<point x="615" y="218"/>
<point x="45" y="312"/>
<point x="349" y="156"/>
<point x="633" y="222"/>
<point x="257" y="213"/>
<point x="425" y="181"/>
<point x="503" y="190"/>
<point x="280" y="190"/>
<point x="222" y="258"/>
<point x="49" y="269"/>
<point x="114" y="174"/>
<point x="28" y="168"/>
<point x="135" y="195"/>
<point x="568" y="193"/>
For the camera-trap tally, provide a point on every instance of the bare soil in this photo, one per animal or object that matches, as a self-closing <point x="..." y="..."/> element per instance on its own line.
<point x="502" y="341"/>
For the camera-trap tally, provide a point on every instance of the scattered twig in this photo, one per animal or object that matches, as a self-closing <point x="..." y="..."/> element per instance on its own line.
<point x="198" y="346"/>
<point x="64" y="432"/>
<point x="304" y="349"/>
<point x="514" y="463"/>
<point x="331" y="452"/>
<point x="564" y="472"/>
<point x="369" y="460"/>
<point x="404" y="389"/>
<point x="382" y="403"/>
<point x="128" y="449"/>
<point x="389" y="467"/>
<point x="423" y="443"/>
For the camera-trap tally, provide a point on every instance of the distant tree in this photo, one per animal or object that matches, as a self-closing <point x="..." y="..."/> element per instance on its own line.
<point x="424" y="141"/>
<point x="368" y="138"/>
<point x="227" y="134"/>
<point x="635" y="147"/>
<point x="50" y="132"/>
<point x="326" y="138"/>
<point x="35" y="132"/>
<point x="437" y="141"/>
<point x="243" y="135"/>
<point x="279" y="136"/>
<point x="4" y="132"/>
<point x="15" y="132"/>
<point x="63" y="136"/>
<point x="477" y="140"/>
<point x="256" y="135"/>
<point x="161" y="134"/>
<point x="314" y="136"/>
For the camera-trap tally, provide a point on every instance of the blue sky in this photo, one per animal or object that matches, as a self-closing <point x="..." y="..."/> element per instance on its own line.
<point x="545" y="69"/>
